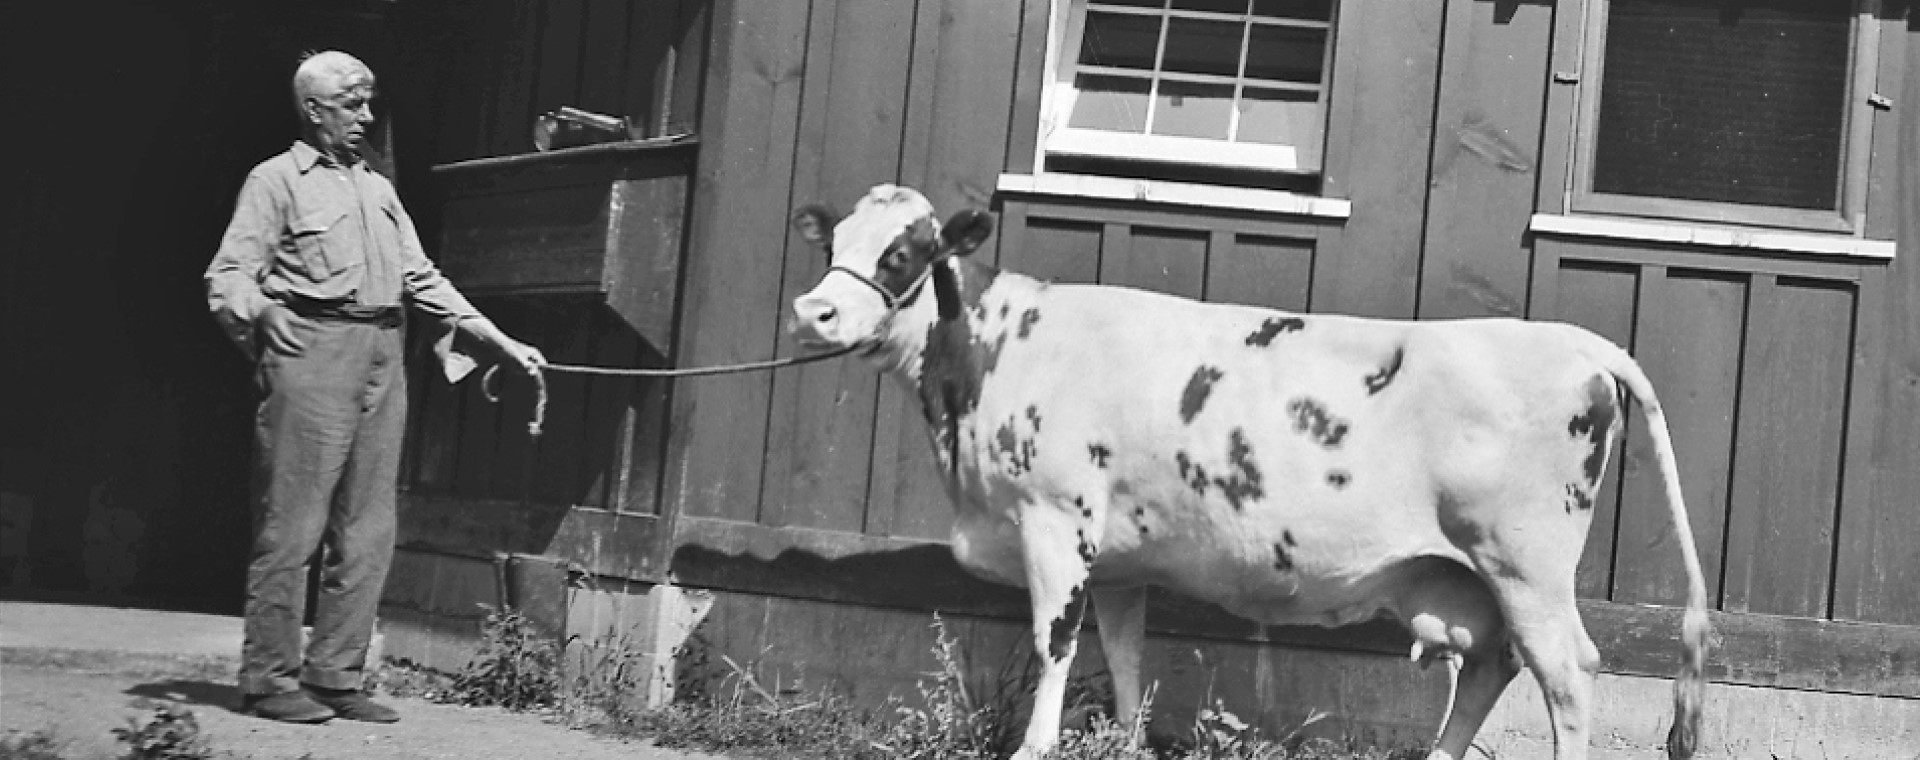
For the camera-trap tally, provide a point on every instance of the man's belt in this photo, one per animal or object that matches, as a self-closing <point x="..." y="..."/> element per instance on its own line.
<point x="378" y="316"/>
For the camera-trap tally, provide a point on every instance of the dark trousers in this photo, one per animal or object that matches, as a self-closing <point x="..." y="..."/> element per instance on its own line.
<point x="327" y="461"/>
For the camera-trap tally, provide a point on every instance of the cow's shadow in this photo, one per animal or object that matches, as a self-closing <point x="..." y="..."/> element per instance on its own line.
<point x="187" y="691"/>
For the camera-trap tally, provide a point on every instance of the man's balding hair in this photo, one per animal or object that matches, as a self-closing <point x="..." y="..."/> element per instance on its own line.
<point x="328" y="67"/>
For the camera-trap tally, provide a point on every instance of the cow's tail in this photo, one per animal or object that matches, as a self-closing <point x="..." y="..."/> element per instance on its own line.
<point x="1690" y="683"/>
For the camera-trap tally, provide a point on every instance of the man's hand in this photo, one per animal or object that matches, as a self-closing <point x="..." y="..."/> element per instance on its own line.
<point x="527" y="357"/>
<point x="278" y="324"/>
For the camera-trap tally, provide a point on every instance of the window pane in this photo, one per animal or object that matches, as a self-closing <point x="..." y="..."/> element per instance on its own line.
<point x="1193" y="110"/>
<point x="1112" y="103"/>
<point x="1722" y="100"/>
<point x="1203" y="47"/>
<point x="1317" y="10"/>
<point x="1114" y="39"/>
<point x="1282" y="117"/>
<point x="1286" y="53"/>
<point x="1134" y="3"/>
<point x="1217" y="6"/>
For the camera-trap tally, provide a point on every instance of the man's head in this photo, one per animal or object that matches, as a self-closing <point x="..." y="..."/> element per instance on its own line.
<point x="332" y="91"/>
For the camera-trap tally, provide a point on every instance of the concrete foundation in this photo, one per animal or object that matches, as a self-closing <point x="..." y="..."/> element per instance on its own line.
<point x="657" y="641"/>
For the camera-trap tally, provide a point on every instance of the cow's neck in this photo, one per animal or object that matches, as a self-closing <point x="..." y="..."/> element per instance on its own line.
<point x="943" y="350"/>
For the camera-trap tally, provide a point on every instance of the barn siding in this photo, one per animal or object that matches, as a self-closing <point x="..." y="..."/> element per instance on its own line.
<point x="1764" y="361"/>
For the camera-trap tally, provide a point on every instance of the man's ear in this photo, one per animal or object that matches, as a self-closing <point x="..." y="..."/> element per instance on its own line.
<point x="815" y="224"/>
<point x="965" y="231"/>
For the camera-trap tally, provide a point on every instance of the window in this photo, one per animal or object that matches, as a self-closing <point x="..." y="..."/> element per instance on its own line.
<point x="1188" y="89"/>
<point x="1742" y="111"/>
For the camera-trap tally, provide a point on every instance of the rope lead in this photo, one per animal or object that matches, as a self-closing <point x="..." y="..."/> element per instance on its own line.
<point x="489" y="387"/>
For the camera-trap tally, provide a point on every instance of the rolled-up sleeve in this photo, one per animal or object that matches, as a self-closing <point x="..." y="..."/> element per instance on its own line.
<point x="432" y="293"/>
<point x="246" y="252"/>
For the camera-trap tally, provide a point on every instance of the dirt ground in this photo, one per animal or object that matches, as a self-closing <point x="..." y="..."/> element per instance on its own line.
<point x="79" y="699"/>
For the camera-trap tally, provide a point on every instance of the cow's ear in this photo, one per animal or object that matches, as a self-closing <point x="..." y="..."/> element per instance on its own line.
<point x="966" y="231"/>
<point x="815" y="224"/>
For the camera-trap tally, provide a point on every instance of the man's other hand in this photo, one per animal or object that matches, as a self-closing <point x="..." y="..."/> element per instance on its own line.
<point x="281" y="327"/>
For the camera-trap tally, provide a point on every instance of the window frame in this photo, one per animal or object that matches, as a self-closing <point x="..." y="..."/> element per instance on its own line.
<point x="1066" y="26"/>
<point x="1856" y="144"/>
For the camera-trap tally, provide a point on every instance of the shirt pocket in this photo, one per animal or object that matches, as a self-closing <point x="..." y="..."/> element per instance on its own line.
<point x="318" y="243"/>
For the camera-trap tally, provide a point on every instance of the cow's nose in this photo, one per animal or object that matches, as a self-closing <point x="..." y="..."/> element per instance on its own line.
<point x="814" y="316"/>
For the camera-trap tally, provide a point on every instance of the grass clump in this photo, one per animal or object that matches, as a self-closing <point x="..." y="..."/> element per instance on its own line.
<point x="28" y="745"/>
<point x="735" y="710"/>
<point x="517" y="667"/>
<point x="171" y="732"/>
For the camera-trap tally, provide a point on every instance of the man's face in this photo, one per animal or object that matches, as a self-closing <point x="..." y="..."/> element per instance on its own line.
<point x="342" y="112"/>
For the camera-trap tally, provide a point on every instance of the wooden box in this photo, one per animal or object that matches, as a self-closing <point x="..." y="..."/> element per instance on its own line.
<point x="605" y="219"/>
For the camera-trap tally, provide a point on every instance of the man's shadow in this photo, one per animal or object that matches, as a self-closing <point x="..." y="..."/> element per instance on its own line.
<point x="189" y="692"/>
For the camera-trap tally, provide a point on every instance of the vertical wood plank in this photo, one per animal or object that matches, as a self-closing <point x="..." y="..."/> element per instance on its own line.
<point x="1878" y="568"/>
<point x="556" y="80"/>
<point x="731" y="306"/>
<point x="1562" y="109"/>
<point x="681" y="114"/>
<point x="1780" y="531"/>
<point x="1380" y="145"/>
<point x="509" y="79"/>
<point x="1688" y="340"/>
<point x="561" y="449"/>
<point x="820" y="442"/>
<point x="1260" y="271"/>
<point x="1600" y="298"/>
<point x="1883" y="184"/>
<point x="652" y="32"/>
<point x="603" y="55"/>
<point x="513" y="451"/>
<point x="1161" y="260"/>
<point x="963" y="57"/>
<point x="1030" y="76"/>
<point x="1485" y="159"/>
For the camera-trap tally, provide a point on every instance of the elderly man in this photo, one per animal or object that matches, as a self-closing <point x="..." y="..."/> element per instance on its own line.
<point x="310" y="279"/>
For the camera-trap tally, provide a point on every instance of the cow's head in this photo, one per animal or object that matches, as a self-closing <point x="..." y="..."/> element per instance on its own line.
<point x="878" y="261"/>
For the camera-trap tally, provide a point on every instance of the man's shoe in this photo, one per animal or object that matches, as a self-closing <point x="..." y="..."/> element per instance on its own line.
<point x="287" y="707"/>
<point x="353" y="704"/>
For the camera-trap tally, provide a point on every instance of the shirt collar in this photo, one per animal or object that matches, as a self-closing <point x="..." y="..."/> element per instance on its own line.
<point x="306" y="157"/>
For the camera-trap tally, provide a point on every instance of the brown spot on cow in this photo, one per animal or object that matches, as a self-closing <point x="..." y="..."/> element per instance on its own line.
<point x="1578" y="498"/>
<point x="1198" y="388"/>
<point x="1099" y="453"/>
<point x="1067" y="625"/>
<point x="1243" y="484"/>
<point x="1271" y="328"/>
<point x="1028" y="319"/>
<point x="1378" y="381"/>
<point x="1595" y="424"/>
<point x="1191" y="472"/>
<point x="1311" y="418"/>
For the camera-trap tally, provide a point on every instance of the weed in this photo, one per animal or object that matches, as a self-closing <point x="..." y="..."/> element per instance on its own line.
<point x="517" y="667"/>
<point x="170" y="733"/>
<point x="401" y="677"/>
<point x="28" y="745"/>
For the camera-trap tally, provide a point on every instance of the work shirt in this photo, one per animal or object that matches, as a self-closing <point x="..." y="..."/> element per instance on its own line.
<point x="307" y="227"/>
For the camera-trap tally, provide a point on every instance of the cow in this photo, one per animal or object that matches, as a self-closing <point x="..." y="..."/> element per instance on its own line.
<point x="1290" y="468"/>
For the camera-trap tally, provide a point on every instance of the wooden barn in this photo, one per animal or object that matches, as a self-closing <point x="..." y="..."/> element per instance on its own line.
<point x="1731" y="189"/>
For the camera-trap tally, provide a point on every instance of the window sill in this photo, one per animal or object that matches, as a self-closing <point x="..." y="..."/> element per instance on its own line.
<point x="1614" y="228"/>
<point x="1176" y="193"/>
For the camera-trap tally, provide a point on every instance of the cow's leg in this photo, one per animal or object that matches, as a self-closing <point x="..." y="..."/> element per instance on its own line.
<point x="1058" y="550"/>
<point x="1545" y="625"/>
<point x="1122" y="612"/>
<point x="1481" y="679"/>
